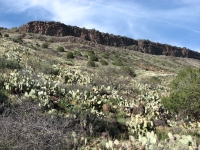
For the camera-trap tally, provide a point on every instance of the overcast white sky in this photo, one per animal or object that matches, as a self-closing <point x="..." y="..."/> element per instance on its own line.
<point x="175" y="22"/>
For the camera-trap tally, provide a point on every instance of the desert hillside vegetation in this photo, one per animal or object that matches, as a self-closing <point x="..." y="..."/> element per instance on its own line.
<point x="57" y="93"/>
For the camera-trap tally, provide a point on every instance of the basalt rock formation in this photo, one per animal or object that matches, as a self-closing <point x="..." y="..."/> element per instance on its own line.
<point x="145" y="46"/>
<point x="149" y="47"/>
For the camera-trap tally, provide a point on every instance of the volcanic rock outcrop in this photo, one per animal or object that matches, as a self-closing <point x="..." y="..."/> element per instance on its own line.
<point x="145" y="46"/>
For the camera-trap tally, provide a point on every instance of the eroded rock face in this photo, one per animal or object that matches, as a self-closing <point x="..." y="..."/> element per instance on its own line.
<point x="59" y="29"/>
<point x="94" y="36"/>
<point x="149" y="47"/>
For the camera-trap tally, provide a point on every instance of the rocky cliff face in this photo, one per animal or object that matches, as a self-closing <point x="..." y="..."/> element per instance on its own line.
<point x="146" y="46"/>
<point x="149" y="47"/>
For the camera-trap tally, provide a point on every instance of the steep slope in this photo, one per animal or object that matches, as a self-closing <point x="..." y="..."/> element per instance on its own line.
<point x="103" y="97"/>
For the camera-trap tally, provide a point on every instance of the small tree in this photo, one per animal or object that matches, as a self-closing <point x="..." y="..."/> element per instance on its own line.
<point x="184" y="98"/>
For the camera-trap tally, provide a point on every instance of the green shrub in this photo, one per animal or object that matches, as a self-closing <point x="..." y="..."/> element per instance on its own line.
<point x="90" y="52"/>
<point x="46" y="68"/>
<point x="93" y="57"/>
<point x="184" y="98"/>
<point x="33" y="47"/>
<point x="6" y="35"/>
<point x="23" y="35"/>
<point x="129" y="71"/>
<point x="10" y="64"/>
<point x="60" y="49"/>
<point x="77" y="53"/>
<point x="162" y="133"/>
<point x="70" y="55"/>
<point x="69" y="63"/>
<point x="18" y="40"/>
<point x="104" y="63"/>
<point x="37" y="44"/>
<point x="0" y="34"/>
<point x="44" y="45"/>
<point x="91" y="63"/>
<point x="106" y="56"/>
<point x="3" y="96"/>
<point x="51" y="40"/>
<point x="121" y="117"/>
<point x="118" y="62"/>
<point x="1" y="81"/>
<point x="86" y="56"/>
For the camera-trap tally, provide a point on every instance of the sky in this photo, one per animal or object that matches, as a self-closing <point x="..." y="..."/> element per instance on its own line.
<point x="173" y="22"/>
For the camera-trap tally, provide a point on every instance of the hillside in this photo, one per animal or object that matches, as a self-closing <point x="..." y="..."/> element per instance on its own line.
<point x="63" y="91"/>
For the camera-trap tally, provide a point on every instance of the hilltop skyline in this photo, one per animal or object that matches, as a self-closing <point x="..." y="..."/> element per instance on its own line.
<point x="172" y="22"/>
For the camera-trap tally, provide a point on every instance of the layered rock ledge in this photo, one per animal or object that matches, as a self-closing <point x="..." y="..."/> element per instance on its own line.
<point x="145" y="46"/>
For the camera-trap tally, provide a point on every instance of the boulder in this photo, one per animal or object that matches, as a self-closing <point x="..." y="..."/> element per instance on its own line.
<point x="139" y="110"/>
<point x="160" y="123"/>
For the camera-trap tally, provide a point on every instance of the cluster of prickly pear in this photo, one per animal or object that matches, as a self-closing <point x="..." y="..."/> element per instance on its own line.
<point x="139" y="125"/>
<point x="33" y="85"/>
<point x="95" y="98"/>
<point x="148" y="139"/>
<point x="74" y="77"/>
<point x="185" y="140"/>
